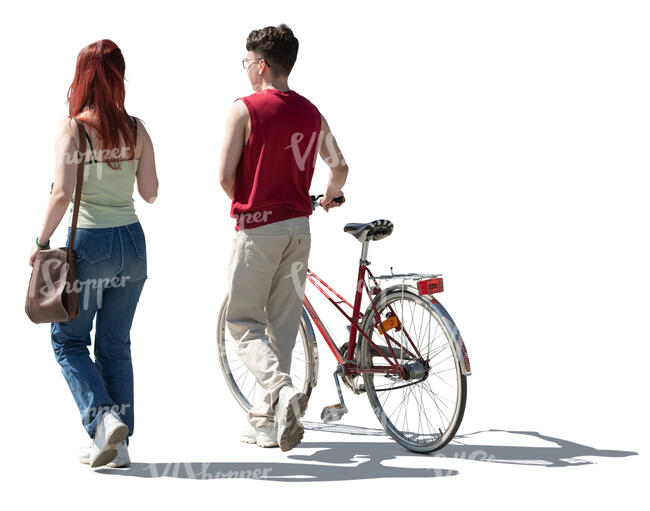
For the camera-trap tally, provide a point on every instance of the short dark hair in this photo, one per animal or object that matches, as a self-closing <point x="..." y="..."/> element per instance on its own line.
<point x="276" y="45"/>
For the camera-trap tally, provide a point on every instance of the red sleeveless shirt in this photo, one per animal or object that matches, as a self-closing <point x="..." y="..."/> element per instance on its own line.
<point x="277" y="163"/>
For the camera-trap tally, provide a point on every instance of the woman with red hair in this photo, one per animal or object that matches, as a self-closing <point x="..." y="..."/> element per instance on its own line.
<point x="109" y="247"/>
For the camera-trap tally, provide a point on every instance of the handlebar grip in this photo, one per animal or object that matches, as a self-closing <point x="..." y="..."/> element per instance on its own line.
<point x="338" y="200"/>
<point x="315" y="200"/>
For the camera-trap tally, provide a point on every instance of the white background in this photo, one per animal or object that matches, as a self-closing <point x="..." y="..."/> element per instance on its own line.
<point x="508" y="143"/>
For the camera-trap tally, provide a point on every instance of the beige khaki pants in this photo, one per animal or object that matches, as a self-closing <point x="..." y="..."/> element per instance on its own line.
<point x="266" y="277"/>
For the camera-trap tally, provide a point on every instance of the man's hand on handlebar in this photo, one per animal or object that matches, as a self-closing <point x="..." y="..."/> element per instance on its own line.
<point x="332" y="199"/>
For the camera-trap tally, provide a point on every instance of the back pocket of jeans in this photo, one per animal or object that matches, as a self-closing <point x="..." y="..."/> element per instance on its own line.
<point x="93" y="245"/>
<point x="139" y="241"/>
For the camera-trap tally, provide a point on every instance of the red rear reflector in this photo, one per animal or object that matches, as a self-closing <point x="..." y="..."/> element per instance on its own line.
<point x="430" y="286"/>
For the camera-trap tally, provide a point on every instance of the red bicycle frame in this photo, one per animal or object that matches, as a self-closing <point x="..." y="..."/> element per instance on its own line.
<point x="350" y="367"/>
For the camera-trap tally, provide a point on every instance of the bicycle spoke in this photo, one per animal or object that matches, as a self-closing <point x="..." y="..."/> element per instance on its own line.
<point x="438" y="351"/>
<point x="441" y="361"/>
<point x="436" y="402"/>
<point x="424" y="412"/>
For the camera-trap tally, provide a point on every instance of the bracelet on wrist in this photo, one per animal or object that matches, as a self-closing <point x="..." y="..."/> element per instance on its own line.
<point x="42" y="246"/>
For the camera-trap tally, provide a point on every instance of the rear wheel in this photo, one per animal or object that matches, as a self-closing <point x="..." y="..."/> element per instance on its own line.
<point x="422" y="408"/>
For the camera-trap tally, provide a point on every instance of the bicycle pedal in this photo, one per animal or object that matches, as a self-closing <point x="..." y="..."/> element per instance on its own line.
<point x="333" y="412"/>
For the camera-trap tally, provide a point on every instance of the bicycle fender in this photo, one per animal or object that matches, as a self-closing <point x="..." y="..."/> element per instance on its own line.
<point x="459" y="344"/>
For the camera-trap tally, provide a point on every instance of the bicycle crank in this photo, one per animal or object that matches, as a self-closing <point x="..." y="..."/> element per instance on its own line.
<point x="354" y="383"/>
<point x="338" y="410"/>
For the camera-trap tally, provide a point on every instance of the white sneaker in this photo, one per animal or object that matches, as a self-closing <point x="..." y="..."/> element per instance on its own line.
<point x="248" y="434"/>
<point x="84" y="454"/>
<point x="268" y="436"/>
<point x="290" y="407"/>
<point x="264" y="436"/>
<point x="121" y="460"/>
<point x="110" y="431"/>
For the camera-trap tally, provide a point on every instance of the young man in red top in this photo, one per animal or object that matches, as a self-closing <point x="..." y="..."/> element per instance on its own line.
<point x="267" y="162"/>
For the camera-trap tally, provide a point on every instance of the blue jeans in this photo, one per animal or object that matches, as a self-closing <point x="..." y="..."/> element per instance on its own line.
<point x="111" y="271"/>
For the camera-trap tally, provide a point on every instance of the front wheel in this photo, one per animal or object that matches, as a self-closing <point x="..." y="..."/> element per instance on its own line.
<point x="423" y="407"/>
<point x="242" y="383"/>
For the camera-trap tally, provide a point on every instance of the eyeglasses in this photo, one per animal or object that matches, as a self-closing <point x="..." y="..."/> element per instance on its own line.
<point x="245" y="62"/>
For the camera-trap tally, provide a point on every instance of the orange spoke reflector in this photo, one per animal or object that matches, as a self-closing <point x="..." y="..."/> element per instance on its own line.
<point x="387" y="324"/>
<point x="430" y="286"/>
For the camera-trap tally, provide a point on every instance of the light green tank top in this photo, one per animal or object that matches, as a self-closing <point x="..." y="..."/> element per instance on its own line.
<point x="106" y="194"/>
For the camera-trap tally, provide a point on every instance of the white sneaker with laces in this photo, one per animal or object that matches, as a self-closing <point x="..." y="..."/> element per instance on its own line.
<point x="110" y="431"/>
<point x="121" y="460"/>
<point x="290" y="407"/>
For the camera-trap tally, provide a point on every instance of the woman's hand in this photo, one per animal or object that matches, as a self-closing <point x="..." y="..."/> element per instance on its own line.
<point x="33" y="253"/>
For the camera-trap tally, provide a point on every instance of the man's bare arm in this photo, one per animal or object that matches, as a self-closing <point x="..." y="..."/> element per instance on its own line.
<point x="331" y="154"/>
<point x="233" y="144"/>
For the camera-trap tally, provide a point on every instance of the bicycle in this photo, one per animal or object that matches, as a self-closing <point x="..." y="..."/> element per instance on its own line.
<point x="381" y="357"/>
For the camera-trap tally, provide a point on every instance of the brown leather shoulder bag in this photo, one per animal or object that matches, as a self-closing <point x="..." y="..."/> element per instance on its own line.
<point x="53" y="292"/>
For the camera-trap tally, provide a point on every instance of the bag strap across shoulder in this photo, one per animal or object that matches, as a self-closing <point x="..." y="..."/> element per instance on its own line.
<point x="79" y="183"/>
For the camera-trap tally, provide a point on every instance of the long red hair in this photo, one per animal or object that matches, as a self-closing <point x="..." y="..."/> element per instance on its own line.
<point x="99" y="84"/>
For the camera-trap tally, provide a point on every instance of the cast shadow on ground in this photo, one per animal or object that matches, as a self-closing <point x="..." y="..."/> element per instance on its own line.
<point x="350" y="460"/>
<point x="556" y="452"/>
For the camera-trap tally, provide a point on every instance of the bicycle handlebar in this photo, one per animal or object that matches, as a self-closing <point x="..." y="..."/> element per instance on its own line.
<point x="315" y="202"/>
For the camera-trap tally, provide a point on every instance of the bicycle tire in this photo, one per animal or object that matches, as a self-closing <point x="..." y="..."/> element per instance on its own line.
<point x="435" y="309"/>
<point x="310" y="348"/>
